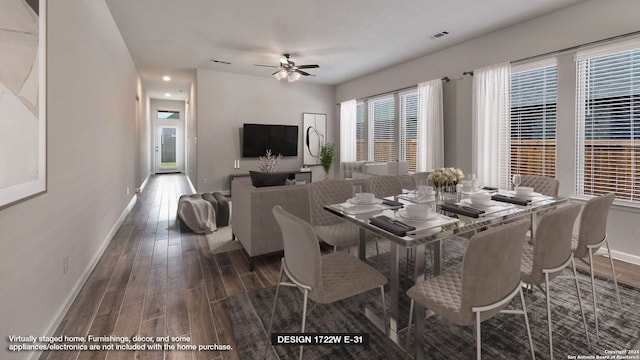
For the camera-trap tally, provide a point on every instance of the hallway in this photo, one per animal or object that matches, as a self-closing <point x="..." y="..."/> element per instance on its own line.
<point x="155" y="281"/>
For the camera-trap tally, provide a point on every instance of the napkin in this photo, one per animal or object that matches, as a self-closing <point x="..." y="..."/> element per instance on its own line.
<point x="393" y="226"/>
<point x="510" y="199"/>
<point x="489" y="188"/>
<point x="392" y="203"/>
<point x="462" y="210"/>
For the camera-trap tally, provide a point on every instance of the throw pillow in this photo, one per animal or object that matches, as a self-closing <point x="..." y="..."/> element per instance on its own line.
<point x="261" y="179"/>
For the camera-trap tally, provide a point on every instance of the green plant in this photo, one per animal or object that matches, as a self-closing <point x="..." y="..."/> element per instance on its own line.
<point x="327" y="155"/>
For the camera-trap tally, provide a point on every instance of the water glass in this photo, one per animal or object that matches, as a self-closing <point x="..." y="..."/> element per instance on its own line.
<point x="517" y="179"/>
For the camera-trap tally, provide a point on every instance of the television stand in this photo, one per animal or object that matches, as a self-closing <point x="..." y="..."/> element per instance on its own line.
<point x="297" y="175"/>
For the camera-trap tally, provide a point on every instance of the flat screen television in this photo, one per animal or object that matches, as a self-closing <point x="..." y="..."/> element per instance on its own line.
<point x="281" y="139"/>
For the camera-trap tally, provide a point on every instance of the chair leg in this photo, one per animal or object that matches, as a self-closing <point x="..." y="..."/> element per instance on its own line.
<point x="304" y="318"/>
<point x="409" y="329"/>
<point x="526" y="322"/>
<point x="384" y="312"/>
<point x="548" y="296"/>
<point x="273" y="309"/>
<point x="584" y="319"/>
<point x="478" y="337"/>
<point x="613" y="274"/>
<point x="593" y="293"/>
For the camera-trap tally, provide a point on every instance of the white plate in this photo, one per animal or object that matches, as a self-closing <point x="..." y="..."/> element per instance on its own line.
<point x="528" y="197"/>
<point x="354" y="201"/>
<point x="403" y="213"/>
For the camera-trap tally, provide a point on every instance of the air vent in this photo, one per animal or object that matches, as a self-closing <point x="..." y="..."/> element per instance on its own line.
<point x="439" y="35"/>
<point x="220" y="62"/>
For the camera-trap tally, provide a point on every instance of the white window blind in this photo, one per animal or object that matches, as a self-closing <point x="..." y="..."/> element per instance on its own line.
<point x="381" y="115"/>
<point x="608" y="121"/>
<point x="409" y="129"/>
<point x="533" y="119"/>
<point x="361" y="154"/>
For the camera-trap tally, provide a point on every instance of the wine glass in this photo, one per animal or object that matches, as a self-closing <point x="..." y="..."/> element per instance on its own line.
<point x="357" y="188"/>
<point x="517" y="179"/>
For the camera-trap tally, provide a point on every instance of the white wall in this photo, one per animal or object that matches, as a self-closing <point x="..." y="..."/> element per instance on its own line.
<point x="192" y="128"/>
<point x="91" y="162"/>
<point x="144" y="143"/>
<point x="228" y="100"/>
<point x="585" y="22"/>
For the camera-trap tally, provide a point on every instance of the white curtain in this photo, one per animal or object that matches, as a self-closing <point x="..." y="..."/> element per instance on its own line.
<point x="491" y="124"/>
<point x="348" y="114"/>
<point x="430" y="154"/>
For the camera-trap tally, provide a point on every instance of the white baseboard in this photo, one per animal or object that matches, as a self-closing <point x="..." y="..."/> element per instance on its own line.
<point x="193" y="189"/>
<point x="143" y="185"/>
<point x="619" y="255"/>
<point x="85" y="275"/>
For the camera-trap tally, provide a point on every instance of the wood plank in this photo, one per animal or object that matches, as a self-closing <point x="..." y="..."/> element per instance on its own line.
<point x="193" y="274"/>
<point x="203" y="331"/>
<point x="177" y="311"/>
<point x="240" y="263"/>
<point x="128" y="325"/>
<point x="231" y="280"/>
<point x="155" y="297"/>
<point x="224" y="328"/>
<point x="251" y="281"/>
<point x="152" y="328"/>
<point x="160" y="254"/>
<point x="139" y="279"/>
<point x="210" y="271"/>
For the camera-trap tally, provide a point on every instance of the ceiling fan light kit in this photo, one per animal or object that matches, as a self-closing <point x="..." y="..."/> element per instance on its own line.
<point x="288" y="69"/>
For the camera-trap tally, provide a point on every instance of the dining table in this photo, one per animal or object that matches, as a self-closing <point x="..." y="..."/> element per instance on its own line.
<point x="451" y="216"/>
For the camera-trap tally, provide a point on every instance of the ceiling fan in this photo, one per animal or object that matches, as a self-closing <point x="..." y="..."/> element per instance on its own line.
<point x="289" y="70"/>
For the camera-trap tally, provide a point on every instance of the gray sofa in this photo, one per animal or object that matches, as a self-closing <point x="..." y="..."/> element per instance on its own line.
<point x="252" y="217"/>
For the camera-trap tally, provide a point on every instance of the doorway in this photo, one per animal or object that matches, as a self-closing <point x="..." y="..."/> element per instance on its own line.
<point x="168" y="149"/>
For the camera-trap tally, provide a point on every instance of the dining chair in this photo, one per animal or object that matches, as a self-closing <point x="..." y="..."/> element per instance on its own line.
<point x="542" y="184"/>
<point x="550" y="255"/>
<point x="591" y="236"/>
<point x="485" y="284"/>
<point x="384" y="185"/>
<point x="323" y="279"/>
<point x="422" y="178"/>
<point x="329" y="227"/>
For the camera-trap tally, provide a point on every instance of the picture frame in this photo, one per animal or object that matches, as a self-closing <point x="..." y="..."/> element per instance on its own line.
<point x="314" y="131"/>
<point x="23" y="99"/>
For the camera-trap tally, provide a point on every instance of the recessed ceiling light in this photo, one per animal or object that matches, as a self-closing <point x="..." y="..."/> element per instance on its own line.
<point x="167" y="94"/>
<point x="166" y="78"/>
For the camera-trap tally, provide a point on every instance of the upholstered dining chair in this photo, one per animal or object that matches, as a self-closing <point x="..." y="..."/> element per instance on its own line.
<point x="324" y="279"/>
<point x="384" y="185"/>
<point x="542" y="184"/>
<point x="485" y="284"/>
<point x="328" y="227"/>
<point x="591" y="236"/>
<point x="422" y="178"/>
<point x="550" y="255"/>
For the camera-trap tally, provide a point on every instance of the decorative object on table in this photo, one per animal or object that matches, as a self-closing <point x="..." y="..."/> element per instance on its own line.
<point x="269" y="162"/>
<point x="23" y="95"/>
<point x="327" y="155"/>
<point x="445" y="181"/>
<point x="314" y="131"/>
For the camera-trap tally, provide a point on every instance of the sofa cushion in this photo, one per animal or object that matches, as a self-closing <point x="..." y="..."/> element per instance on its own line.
<point x="261" y="179"/>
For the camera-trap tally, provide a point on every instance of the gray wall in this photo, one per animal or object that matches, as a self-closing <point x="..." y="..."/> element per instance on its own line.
<point x="192" y="126"/>
<point x="582" y="23"/>
<point x="228" y="100"/>
<point x="91" y="161"/>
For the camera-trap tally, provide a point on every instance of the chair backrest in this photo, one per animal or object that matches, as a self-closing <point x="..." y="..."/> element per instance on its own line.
<point x="542" y="184"/>
<point x="384" y="185"/>
<point x="491" y="267"/>
<point x="301" y="248"/>
<point x="327" y="192"/>
<point x="593" y="223"/>
<point x="422" y="178"/>
<point x="552" y="241"/>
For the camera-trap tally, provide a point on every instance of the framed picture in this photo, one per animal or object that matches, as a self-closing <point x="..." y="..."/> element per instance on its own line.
<point x="314" y="132"/>
<point x="23" y="122"/>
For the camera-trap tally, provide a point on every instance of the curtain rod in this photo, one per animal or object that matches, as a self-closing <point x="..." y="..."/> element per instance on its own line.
<point x="446" y="79"/>
<point x="557" y="52"/>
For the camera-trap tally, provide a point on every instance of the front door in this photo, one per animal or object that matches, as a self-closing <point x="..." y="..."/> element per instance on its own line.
<point x="168" y="149"/>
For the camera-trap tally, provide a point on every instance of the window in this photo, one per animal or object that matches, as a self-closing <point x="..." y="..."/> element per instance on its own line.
<point x="361" y="154"/>
<point x="534" y="90"/>
<point x="382" y="118"/>
<point x="608" y="121"/>
<point x="409" y="129"/>
<point x="168" y="115"/>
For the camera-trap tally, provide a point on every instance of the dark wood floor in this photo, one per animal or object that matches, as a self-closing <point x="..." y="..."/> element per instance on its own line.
<point x="155" y="281"/>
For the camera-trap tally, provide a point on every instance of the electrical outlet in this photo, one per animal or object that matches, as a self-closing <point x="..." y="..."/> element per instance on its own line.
<point x="204" y="180"/>
<point x="128" y="190"/>
<point x="65" y="264"/>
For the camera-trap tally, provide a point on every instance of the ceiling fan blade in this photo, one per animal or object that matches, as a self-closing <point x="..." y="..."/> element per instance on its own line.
<point x="303" y="72"/>
<point x="276" y="72"/>
<point x="271" y="66"/>
<point x="308" y="66"/>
